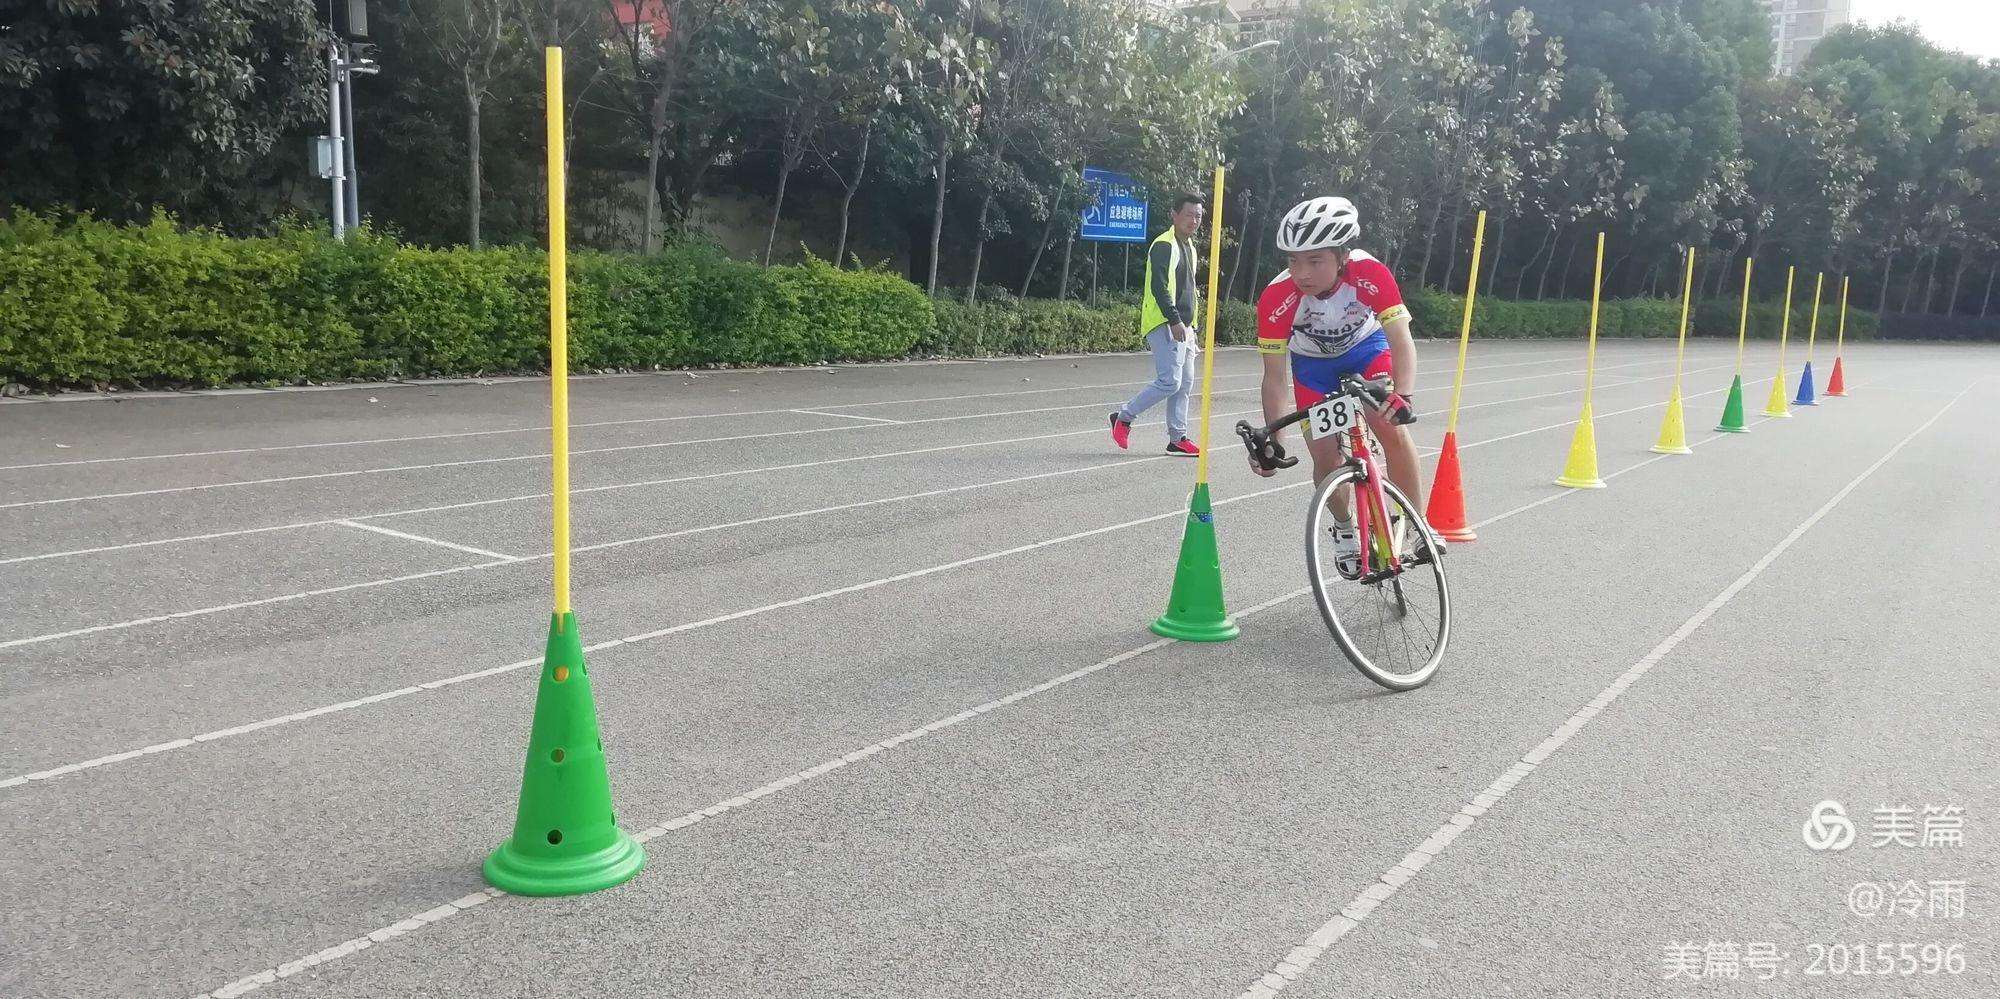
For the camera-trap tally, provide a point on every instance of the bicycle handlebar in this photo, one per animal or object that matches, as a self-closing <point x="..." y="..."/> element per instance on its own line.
<point x="1378" y="394"/>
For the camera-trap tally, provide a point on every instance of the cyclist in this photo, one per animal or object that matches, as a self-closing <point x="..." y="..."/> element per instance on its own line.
<point x="1336" y="311"/>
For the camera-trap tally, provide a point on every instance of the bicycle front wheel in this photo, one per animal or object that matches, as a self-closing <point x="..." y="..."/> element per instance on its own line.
<point x="1393" y="624"/>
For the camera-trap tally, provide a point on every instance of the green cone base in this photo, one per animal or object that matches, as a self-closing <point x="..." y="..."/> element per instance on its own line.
<point x="518" y="873"/>
<point x="566" y="840"/>
<point x="1195" y="611"/>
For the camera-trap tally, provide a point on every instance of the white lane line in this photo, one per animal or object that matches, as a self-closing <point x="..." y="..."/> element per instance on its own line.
<point x="508" y="560"/>
<point x="644" y="483"/>
<point x="1357" y="910"/>
<point x="529" y="497"/>
<point x="313" y="713"/>
<point x="504" y="560"/>
<point x="847" y="416"/>
<point x="311" y="476"/>
<point x="503" y="459"/>
<point x="468" y="549"/>
<point x="253" y="982"/>
<point x="543" y="428"/>
<point x="628" y="640"/>
<point x="431" y="916"/>
<point x="647" y="420"/>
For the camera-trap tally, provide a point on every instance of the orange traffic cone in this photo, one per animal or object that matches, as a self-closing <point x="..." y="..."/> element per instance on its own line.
<point x="1446" y="509"/>
<point x="1837" y="385"/>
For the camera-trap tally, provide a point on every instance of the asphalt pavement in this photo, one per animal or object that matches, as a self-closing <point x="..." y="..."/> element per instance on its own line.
<point x="887" y="713"/>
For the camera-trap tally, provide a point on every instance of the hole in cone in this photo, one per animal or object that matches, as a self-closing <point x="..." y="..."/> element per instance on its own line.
<point x="562" y="673"/>
<point x="555" y="837"/>
<point x="557" y="756"/>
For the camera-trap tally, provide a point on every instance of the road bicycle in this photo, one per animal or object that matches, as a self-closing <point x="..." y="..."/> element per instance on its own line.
<point x="1390" y="609"/>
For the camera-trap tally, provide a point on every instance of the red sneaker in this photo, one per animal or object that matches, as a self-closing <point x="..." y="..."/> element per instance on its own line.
<point x="1121" y="432"/>
<point x="1183" y="447"/>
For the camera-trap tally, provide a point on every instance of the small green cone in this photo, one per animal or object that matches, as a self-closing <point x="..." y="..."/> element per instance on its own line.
<point x="1732" y="411"/>
<point x="566" y="840"/>
<point x="1194" y="608"/>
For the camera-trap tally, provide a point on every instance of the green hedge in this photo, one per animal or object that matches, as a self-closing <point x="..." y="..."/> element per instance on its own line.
<point x="1437" y="313"/>
<point x="84" y="302"/>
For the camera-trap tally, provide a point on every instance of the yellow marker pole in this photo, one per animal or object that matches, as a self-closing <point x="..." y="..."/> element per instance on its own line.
<point x="1743" y="320"/>
<point x="1812" y="333"/>
<point x="1195" y="611"/>
<point x="1836" y="383"/>
<point x="1580" y="471"/>
<point x="566" y="840"/>
<point x="1673" y="426"/>
<point x="1590" y="353"/>
<point x="1775" y="406"/>
<point x="1445" y="510"/>
<point x="1465" y="325"/>
<point x="1687" y="303"/>
<point x="1208" y="331"/>
<point x="1840" y="342"/>
<point x="1732" y="410"/>
<point x="558" y="327"/>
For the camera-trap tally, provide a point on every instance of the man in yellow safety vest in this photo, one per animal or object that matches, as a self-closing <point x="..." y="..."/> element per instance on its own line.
<point x="1166" y="319"/>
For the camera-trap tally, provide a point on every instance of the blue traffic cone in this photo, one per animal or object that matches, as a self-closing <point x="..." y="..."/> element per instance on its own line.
<point x="1805" y="388"/>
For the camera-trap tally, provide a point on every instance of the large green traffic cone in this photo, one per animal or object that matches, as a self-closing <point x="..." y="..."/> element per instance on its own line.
<point x="566" y="840"/>
<point x="1194" y="608"/>
<point x="1732" y="412"/>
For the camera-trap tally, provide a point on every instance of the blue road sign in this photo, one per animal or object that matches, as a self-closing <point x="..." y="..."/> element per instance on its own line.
<point x="1116" y="211"/>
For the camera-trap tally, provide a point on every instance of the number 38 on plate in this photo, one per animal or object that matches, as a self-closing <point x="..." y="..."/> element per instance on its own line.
<point x="1337" y="414"/>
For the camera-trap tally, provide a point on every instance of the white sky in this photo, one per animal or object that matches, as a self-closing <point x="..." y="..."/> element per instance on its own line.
<point x="1970" y="26"/>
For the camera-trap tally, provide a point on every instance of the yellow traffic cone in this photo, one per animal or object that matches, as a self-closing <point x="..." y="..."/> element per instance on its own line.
<point x="1673" y="429"/>
<point x="1580" y="472"/>
<point x="1776" y="406"/>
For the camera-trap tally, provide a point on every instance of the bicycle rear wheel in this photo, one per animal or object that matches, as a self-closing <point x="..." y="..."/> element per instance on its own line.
<point x="1393" y="626"/>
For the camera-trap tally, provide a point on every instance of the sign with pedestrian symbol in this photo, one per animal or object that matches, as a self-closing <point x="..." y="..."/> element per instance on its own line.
<point x="1114" y="210"/>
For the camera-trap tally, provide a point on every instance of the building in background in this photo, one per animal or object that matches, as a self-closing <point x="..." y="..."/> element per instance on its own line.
<point x="1798" y="25"/>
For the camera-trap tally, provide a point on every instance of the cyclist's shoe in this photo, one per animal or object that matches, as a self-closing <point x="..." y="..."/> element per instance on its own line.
<point x="1346" y="550"/>
<point x="1121" y="432"/>
<point x="1183" y="447"/>
<point x="1411" y="547"/>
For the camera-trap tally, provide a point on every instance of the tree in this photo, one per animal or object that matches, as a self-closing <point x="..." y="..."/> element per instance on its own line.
<point x="116" y="108"/>
<point x="479" y="40"/>
<point x="945" y="82"/>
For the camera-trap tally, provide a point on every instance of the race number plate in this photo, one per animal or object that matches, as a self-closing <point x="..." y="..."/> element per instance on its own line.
<point x="1336" y="415"/>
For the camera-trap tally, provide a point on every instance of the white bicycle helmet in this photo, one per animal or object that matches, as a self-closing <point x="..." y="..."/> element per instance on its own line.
<point x="1319" y="224"/>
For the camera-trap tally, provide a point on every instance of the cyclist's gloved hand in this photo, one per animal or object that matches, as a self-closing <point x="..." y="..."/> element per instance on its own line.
<point x="1266" y="454"/>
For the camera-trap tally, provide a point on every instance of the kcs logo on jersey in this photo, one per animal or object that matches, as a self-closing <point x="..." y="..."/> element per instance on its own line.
<point x="1283" y="308"/>
<point x="1368" y="286"/>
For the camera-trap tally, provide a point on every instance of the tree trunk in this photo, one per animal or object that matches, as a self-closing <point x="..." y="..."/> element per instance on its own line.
<point x="1041" y="245"/>
<point x="1430" y="242"/>
<point x="1988" y="300"/>
<point x="1958" y="275"/>
<point x="937" y="210"/>
<point x="472" y="165"/>
<point x="1242" y="240"/>
<point x="978" y="249"/>
<point x="1062" y="291"/>
<point x="1910" y="287"/>
<point x="1882" y="295"/>
<point x="650" y="243"/>
<point x="1451" y="262"/>
<point x="1521" y="282"/>
<point x="1499" y="244"/>
<point x="1569" y="264"/>
<point x="787" y="159"/>
<point x="847" y="193"/>
<point x="1930" y="281"/>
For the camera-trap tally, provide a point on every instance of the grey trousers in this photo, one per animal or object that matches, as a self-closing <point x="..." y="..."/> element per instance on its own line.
<point x="1173" y="380"/>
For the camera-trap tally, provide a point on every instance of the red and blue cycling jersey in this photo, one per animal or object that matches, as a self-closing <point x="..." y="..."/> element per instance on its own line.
<point x="1337" y="333"/>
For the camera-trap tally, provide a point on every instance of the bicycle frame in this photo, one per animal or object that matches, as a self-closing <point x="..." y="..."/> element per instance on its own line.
<point x="1370" y="503"/>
